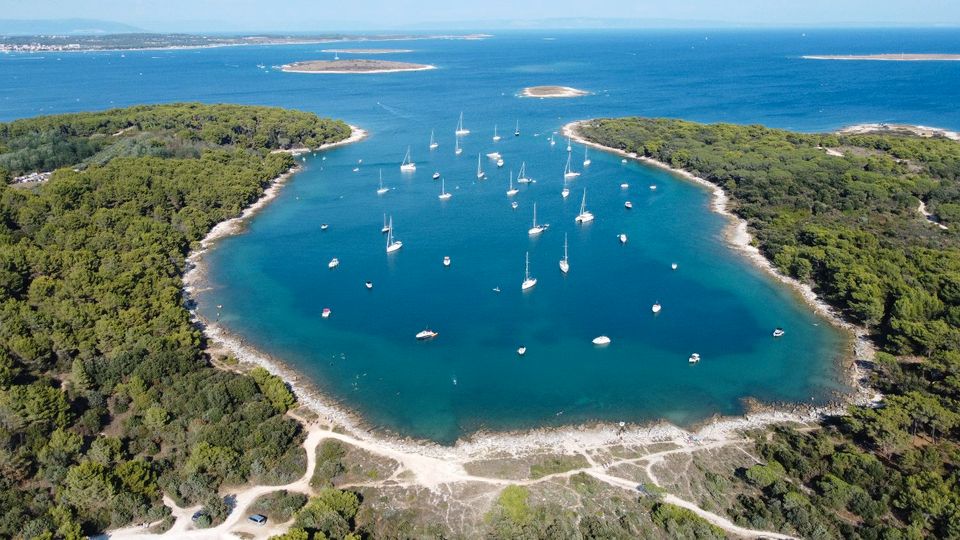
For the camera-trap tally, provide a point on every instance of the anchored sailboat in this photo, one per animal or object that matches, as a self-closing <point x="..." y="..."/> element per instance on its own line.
<point x="565" y="261"/>
<point x="512" y="191"/>
<point x="443" y="191"/>
<point x="495" y="136"/>
<point x="386" y="228"/>
<point x="480" y="173"/>
<point x="584" y="216"/>
<point x="516" y="131"/>
<point x="586" y="158"/>
<point x="528" y="281"/>
<point x="460" y="129"/>
<point x="568" y="172"/>
<point x="392" y="245"/>
<point x="522" y="177"/>
<point x="457" y="150"/>
<point x="408" y="165"/>
<point x="382" y="189"/>
<point x="536" y="229"/>
<point x="433" y="142"/>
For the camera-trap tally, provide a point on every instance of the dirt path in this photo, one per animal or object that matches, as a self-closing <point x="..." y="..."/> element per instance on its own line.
<point x="929" y="217"/>
<point x="434" y="473"/>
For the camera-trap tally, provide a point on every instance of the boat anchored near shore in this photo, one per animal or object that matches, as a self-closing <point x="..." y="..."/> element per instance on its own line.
<point x="565" y="261"/>
<point x="584" y="216"/>
<point x="392" y="245"/>
<point x="536" y="229"/>
<point x="408" y="165"/>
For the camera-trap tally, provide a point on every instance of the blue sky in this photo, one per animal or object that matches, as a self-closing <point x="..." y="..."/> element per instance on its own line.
<point x="305" y="15"/>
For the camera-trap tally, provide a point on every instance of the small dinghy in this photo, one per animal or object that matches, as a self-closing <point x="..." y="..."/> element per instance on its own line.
<point x="673" y="266"/>
<point x="522" y="351"/>
<point x="694" y="358"/>
<point x="656" y="307"/>
<point x="369" y="284"/>
<point x="325" y="313"/>
<point x="446" y="261"/>
<point x="778" y="332"/>
<point x="623" y="238"/>
<point x="628" y="205"/>
<point x="324" y="226"/>
<point x="334" y="262"/>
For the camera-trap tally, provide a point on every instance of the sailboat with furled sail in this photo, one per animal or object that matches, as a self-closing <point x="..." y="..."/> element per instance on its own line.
<point x="568" y="172"/>
<point x="457" y="150"/>
<point x="408" y="165"/>
<point x="460" y="129"/>
<point x="392" y="244"/>
<point x="443" y="191"/>
<point x="584" y="216"/>
<point x="565" y="261"/>
<point x="381" y="190"/>
<point x="480" y="173"/>
<point x="586" y="158"/>
<point x="433" y="142"/>
<point x="512" y="191"/>
<point x="536" y="229"/>
<point x="528" y="280"/>
<point x="522" y="176"/>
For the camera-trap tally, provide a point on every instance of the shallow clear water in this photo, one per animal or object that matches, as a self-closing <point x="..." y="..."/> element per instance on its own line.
<point x="273" y="281"/>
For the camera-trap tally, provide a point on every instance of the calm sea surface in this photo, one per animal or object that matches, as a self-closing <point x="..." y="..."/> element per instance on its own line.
<point x="273" y="281"/>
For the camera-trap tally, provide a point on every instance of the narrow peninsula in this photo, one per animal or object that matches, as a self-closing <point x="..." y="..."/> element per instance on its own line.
<point x="353" y="66"/>
<point x="897" y="57"/>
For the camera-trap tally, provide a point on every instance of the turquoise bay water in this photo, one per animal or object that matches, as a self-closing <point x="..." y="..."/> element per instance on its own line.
<point x="273" y="281"/>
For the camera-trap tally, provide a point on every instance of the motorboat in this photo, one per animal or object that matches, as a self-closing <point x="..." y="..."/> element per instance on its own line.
<point x="778" y="332"/>
<point x="425" y="334"/>
<point x="334" y="262"/>
<point x="656" y="307"/>
<point x="694" y="358"/>
<point x="601" y="340"/>
<point x="325" y="313"/>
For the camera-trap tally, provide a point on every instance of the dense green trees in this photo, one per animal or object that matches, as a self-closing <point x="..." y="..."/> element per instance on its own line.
<point x="849" y="226"/>
<point x="106" y="398"/>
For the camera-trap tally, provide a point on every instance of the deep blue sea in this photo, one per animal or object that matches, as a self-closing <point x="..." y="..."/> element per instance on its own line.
<point x="273" y="280"/>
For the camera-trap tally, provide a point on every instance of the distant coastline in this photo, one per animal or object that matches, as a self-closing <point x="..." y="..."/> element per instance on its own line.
<point x="154" y="42"/>
<point x="553" y="92"/>
<point x="367" y="51"/>
<point x="901" y="57"/>
<point x="353" y="66"/>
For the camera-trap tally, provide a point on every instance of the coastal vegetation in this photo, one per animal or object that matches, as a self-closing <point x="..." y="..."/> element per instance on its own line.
<point x="840" y="212"/>
<point x="107" y="398"/>
<point x="352" y="66"/>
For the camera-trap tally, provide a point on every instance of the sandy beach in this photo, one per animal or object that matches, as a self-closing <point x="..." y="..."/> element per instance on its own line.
<point x="552" y="92"/>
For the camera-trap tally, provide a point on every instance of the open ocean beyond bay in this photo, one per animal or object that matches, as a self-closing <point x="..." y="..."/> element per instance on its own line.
<point x="273" y="281"/>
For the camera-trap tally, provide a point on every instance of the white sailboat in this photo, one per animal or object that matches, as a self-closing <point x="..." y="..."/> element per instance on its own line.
<point x="408" y="165"/>
<point x="536" y="229"/>
<point x="565" y="261"/>
<point x="512" y="191"/>
<point x="584" y="216"/>
<point x="381" y="190"/>
<point x="623" y="238"/>
<point x="569" y="147"/>
<point x="522" y="177"/>
<point x="457" y="150"/>
<point x="565" y="192"/>
<point x="433" y="142"/>
<point x="392" y="245"/>
<point x="495" y="136"/>
<point x="443" y="191"/>
<point x="480" y="173"/>
<point x="528" y="281"/>
<point x="568" y="172"/>
<point x="499" y="162"/>
<point x="386" y="228"/>
<point x="552" y="141"/>
<point x="586" y="158"/>
<point x="516" y="130"/>
<point x="460" y="129"/>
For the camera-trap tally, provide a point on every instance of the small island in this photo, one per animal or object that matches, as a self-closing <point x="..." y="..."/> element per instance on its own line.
<point x="353" y="66"/>
<point x="553" y="92"/>
<point x="900" y="57"/>
<point x="367" y="51"/>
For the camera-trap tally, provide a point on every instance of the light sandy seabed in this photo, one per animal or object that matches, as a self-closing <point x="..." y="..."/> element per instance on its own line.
<point x="438" y="468"/>
<point x="552" y="92"/>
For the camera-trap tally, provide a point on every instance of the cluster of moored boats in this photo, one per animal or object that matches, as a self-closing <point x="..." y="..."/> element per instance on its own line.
<point x="584" y="216"/>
